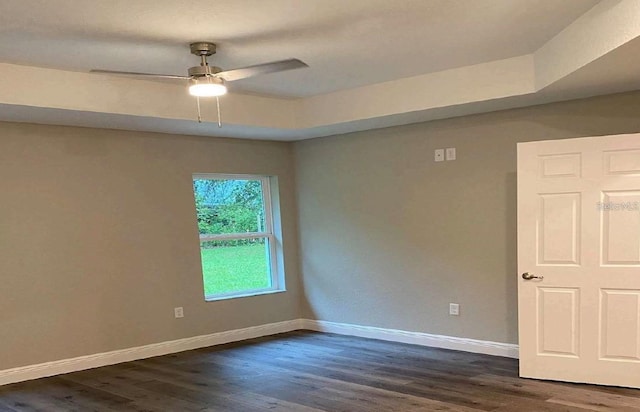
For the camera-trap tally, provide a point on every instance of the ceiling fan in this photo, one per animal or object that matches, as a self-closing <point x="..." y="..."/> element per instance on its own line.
<point x="209" y="81"/>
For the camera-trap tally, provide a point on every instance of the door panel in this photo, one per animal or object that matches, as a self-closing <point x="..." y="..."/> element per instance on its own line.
<point x="558" y="229"/>
<point x="560" y="165"/>
<point x="621" y="162"/>
<point x="579" y="231"/>
<point x="558" y="314"/>
<point x="620" y="228"/>
<point x="620" y="324"/>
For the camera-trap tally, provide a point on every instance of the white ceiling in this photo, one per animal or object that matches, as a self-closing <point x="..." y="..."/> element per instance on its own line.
<point x="374" y="63"/>
<point x="347" y="43"/>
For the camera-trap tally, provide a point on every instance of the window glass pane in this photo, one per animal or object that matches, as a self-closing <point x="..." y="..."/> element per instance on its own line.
<point x="235" y="266"/>
<point x="229" y="206"/>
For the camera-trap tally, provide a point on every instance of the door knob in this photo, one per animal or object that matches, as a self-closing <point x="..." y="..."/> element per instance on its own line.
<point x="529" y="276"/>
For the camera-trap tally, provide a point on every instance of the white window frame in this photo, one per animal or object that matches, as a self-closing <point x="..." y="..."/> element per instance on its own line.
<point x="272" y="232"/>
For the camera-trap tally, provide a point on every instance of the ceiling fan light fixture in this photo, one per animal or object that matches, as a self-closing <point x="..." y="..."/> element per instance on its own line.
<point x="207" y="87"/>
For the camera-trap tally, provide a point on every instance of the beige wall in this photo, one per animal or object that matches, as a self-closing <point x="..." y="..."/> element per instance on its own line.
<point x="98" y="240"/>
<point x="389" y="237"/>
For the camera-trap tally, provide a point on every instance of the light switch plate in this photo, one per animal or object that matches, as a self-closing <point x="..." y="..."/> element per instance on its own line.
<point x="439" y="155"/>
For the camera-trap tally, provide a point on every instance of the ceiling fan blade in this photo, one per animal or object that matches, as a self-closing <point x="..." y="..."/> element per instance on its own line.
<point x="258" y="69"/>
<point x="135" y="74"/>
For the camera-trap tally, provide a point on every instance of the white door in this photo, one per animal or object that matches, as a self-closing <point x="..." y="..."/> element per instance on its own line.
<point x="579" y="233"/>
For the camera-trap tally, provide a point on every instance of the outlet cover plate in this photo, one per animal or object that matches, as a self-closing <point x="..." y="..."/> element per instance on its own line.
<point x="450" y="153"/>
<point x="454" y="309"/>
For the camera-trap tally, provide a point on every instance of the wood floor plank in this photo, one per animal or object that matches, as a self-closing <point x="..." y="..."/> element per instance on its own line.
<point x="312" y="372"/>
<point x="533" y="405"/>
<point x="129" y="387"/>
<point x="6" y="407"/>
<point x="256" y="402"/>
<point x="588" y="397"/>
<point x="339" y="382"/>
<point x="25" y="398"/>
<point x="595" y="401"/>
<point x="55" y="394"/>
<point x="430" y="390"/>
<point x="393" y="401"/>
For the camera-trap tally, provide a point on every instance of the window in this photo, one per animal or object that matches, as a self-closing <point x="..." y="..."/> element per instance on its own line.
<point x="238" y="244"/>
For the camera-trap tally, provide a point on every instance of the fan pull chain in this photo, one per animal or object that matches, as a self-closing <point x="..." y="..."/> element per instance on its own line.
<point x="218" y="106"/>
<point x="198" y="104"/>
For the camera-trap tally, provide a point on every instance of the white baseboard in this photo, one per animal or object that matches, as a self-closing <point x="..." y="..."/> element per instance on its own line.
<point x="141" y="352"/>
<point x="416" y="338"/>
<point x="97" y="360"/>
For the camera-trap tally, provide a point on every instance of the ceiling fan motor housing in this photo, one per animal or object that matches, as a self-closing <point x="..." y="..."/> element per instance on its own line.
<point x="202" y="71"/>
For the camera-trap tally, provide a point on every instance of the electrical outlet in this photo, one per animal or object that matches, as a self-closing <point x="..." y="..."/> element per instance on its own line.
<point x="450" y="153"/>
<point x="178" y="312"/>
<point x="454" y="309"/>
<point x="438" y="155"/>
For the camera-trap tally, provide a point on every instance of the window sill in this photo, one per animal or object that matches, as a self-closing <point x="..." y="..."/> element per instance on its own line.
<point x="243" y="295"/>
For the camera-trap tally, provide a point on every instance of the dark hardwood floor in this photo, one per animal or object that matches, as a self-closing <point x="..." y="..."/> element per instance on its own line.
<point x="307" y="371"/>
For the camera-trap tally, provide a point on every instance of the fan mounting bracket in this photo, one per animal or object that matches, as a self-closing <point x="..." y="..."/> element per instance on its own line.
<point x="203" y="48"/>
